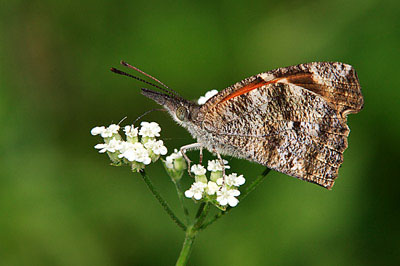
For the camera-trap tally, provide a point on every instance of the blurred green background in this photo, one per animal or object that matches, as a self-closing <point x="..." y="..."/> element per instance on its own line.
<point x="62" y="204"/>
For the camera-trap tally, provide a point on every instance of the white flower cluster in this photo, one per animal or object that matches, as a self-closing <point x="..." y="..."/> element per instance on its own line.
<point x="221" y="189"/>
<point x="132" y="151"/>
<point x="203" y="99"/>
<point x="175" y="165"/>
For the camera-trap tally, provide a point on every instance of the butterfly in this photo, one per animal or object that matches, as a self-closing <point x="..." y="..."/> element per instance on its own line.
<point x="292" y="119"/>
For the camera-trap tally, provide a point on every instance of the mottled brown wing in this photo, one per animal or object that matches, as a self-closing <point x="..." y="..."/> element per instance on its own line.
<point x="292" y="119"/>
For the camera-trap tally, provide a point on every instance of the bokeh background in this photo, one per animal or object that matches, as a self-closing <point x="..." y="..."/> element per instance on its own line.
<point x="62" y="204"/>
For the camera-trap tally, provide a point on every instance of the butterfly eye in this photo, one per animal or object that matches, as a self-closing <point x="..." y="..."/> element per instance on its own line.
<point x="181" y="113"/>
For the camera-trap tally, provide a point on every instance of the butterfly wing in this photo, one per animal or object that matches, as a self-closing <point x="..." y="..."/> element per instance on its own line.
<point x="292" y="119"/>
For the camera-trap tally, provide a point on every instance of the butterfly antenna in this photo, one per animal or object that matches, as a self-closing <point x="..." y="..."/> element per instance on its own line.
<point x="144" y="73"/>
<point x="148" y="75"/>
<point x="119" y="123"/>
<point x="117" y="71"/>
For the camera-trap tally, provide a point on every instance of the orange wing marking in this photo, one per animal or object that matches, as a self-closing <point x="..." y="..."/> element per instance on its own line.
<point x="297" y="78"/>
<point x="246" y="89"/>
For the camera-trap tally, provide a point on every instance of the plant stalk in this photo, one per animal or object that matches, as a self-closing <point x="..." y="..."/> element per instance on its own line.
<point x="181" y="199"/>
<point x="160" y="199"/>
<point x="191" y="233"/>
<point x="190" y="236"/>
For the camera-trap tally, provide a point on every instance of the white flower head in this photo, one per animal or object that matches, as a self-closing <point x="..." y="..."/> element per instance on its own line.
<point x="151" y="129"/>
<point x="176" y="154"/>
<point x="212" y="187"/>
<point x="112" y="146"/>
<point x="127" y="151"/>
<point x="215" y="165"/>
<point x="156" y="146"/>
<point x="205" y="98"/>
<point x="111" y="130"/>
<point x="97" y="130"/>
<point x="233" y="180"/>
<point x="169" y="160"/>
<point x="227" y="196"/>
<point x="134" y="152"/>
<point x="196" y="190"/>
<point x="198" y="169"/>
<point x="131" y="131"/>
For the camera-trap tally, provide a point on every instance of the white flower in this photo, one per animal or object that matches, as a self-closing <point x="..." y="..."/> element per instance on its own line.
<point x="232" y="180"/>
<point x="196" y="190"/>
<point x="212" y="187"/>
<point x="108" y="132"/>
<point x="131" y="131"/>
<point x="156" y="146"/>
<point x="151" y="129"/>
<point x="176" y="154"/>
<point x="127" y="151"/>
<point x="169" y="160"/>
<point x="112" y="146"/>
<point x="205" y="98"/>
<point x="227" y="196"/>
<point x="215" y="165"/>
<point x="134" y="152"/>
<point x="198" y="169"/>
<point x="97" y="130"/>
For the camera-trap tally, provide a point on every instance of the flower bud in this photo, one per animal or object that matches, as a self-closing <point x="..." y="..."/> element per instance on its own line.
<point x="114" y="136"/>
<point x="215" y="175"/>
<point x="172" y="172"/>
<point x="180" y="164"/>
<point x="201" y="178"/>
<point x="132" y="139"/>
<point x="131" y="134"/>
<point x="175" y="165"/>
<point x="144" y="140"/>
<point x="199" y="172"/>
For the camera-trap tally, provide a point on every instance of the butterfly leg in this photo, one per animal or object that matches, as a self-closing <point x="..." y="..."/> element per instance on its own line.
<point x="193" y="146"/>
<point x="201" y="155"/>
<point x="221" y="161"/>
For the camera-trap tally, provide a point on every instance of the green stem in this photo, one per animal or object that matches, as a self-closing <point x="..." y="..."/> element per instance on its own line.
<point x="181" y="199"/>
<point x="191" y="233"/>
<point x="163" y="203"/>
<point x="200" y="210"/>
<point x="255" y="183"/>
<point x="187" y="246"/>
<point x="216" y="217"/>
<point x="201" y="215"/>
<point x="249" y="189"/>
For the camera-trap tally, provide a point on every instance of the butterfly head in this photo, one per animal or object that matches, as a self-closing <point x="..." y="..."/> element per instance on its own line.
<point x="182" y="111"/>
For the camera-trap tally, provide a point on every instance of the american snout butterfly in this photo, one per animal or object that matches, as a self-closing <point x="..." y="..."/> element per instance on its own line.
<point x="292" y="119"/>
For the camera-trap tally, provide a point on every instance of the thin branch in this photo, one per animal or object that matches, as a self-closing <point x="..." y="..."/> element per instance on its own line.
<point x="163" y="203"/>
<point x="201" y="215"/>
<point x="255" y="183"/>
<point x="181" y="199"/>
<point x="200" y="210"/>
